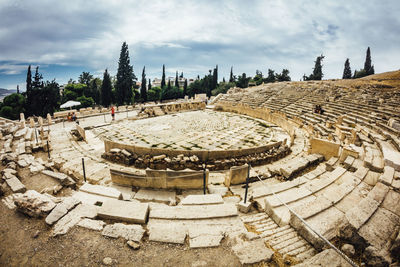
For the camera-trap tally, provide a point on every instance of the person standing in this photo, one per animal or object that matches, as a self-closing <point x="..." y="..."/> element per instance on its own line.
<point x="113" y="113"/>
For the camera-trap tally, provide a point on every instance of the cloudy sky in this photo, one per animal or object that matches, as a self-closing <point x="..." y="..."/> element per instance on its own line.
<point x="67" y="37"/>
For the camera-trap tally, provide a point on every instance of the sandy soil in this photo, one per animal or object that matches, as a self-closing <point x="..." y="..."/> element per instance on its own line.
<point x="27" y="241"/>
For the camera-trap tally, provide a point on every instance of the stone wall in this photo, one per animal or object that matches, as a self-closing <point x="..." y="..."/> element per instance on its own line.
<point x="266" y="114"/>
<point x="81" y="132"/>
<point x="163" y="179"/>
<point x="203" y="155"/>
<point x="324" y="147"/>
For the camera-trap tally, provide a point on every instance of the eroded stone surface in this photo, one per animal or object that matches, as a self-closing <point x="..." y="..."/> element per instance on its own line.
<point x="132" y="232"/>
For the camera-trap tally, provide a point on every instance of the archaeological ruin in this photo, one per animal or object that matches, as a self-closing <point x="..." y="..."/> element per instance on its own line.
<point x="256" y="168"/>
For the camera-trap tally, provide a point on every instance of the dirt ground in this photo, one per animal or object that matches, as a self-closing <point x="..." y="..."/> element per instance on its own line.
<point x="27" y="241"/>
<point x="82" y="247"/>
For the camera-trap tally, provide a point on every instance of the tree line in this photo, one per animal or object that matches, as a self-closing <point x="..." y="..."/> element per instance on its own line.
<point x="42" y="97"/>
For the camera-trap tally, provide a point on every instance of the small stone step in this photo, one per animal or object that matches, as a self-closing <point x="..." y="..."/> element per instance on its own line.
<point x="293" y="246"/>
<point x="124" y="211"/>
<point x="101" y="190"/>
<point x="254" y="217"/>
<point x="152" y="195"/>
<point x="194" y="212"/>
<point x="167" y="234"/>
<point x="202" y="199"/>
<point x="16" y="185"/>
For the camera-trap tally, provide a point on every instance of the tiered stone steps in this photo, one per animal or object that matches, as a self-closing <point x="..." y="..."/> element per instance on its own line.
<point x="284" y="240"/>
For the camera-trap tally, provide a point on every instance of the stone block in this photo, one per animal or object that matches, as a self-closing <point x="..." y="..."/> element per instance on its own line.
<point x="153" y="195"/>
<point x="194" y="212"/>
<point x="132" y="232"/>
<point x="16" y="185"/>
<point x="124" y="211"/>
<point x="244" y="207"/>
<point x="167" y="234"/>
<point x="387" y="176"/>
<point x="90" y="224"/>
<point x="202" y="199"/>
<point x="252" y="252"/>
<point x="358" y="215"/>
<point x="378" y="192"/>
<point x="237" y="175"/>
<point x="61" y="209"/>
<point x="33" y="204"/>
<point x="61" y="177"/>
<point x="101" y="190"/>
<point x="326" y="148"/>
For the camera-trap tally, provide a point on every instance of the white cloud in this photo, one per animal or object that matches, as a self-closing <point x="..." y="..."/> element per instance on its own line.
<point x="193" y="36"/>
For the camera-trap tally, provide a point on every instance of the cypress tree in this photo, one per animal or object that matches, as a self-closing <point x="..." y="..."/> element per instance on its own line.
<point x="143" y="93"/>
<point x="37" y="79"/>
<point x="125" y="77"/>
<point x="29" y="80"/>
<point x="149" y="86"/>
<point x="369" y="69"/>
<point x="176" y="80"/>
<point x="163" y="77"/>
<point x="106" y="90"/>
<point x="347" y="70"/>
<point x="185" y="85"/>
<point x="214" y="78"/>
<point x="169" y="84"/>
<point x="231" y="79"/>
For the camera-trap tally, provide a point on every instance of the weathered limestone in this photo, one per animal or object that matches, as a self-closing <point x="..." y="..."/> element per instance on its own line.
<point x="387" y="176"/>
<point x="328" y="257"/>
<point x="15" y="184"/>
<point x="323" y="147"/>
<point x="33" y="204"/>
<point x="237" y="175"/>
<point x="90" y="224"/>
<point x="127" y="211"/>
<point x="73" y="217"/>
<point x="202" y="199"/>
<point x="167" y="234"/>
<point x="205" y="237"/>
<point x="194" y="212"/>
<point x="132" y="232"/>
<point x="61" y="209"/>
<point x="252" y="252"/>
<point x="150" y="195"/>
<point x="61" y="177"/>
<point x="101" y="190"/>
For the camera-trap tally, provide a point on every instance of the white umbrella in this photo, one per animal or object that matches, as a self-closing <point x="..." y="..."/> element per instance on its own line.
<point x="70" y="104"/>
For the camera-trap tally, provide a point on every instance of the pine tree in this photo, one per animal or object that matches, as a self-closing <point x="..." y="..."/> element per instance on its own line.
<point x="176" y="80"/>
<point x="125" y="77"/>
<point x="317" y="72"/>
<point x="143" y="93"/>
<point x="369" y="69"/>
<point x="347" y="70"/>
<point x="271" y="76"/>
<point x="163" y="77"/>
<point x="231" y="79"/>
<point x="106" y="90"/>
<point x="185" y="85"/>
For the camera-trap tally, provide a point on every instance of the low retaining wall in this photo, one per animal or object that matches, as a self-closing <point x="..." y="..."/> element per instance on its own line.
<point x="275" y="117"/>
<point x="163" y="179"/>
<point x="204" y="155"/>
<point x="324" y="147"/>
